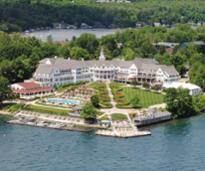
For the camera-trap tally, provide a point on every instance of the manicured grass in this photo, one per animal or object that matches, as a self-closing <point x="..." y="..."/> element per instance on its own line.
<point x="147" y="98"/>
<point x="46" y="109"/>
<point x="15" y="107"/>
<point x="12" y="107"/>
<point x="118" y="117"/>
<point x="102" y="92"/>
<point x="124" y="95"/>
<point x="104" y="118"/>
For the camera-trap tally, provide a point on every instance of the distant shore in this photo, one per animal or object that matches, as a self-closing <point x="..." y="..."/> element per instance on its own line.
<point x="67" y="34"/>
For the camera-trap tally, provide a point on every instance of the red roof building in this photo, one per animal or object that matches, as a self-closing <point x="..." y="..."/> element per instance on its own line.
<point x="30" y="90"/>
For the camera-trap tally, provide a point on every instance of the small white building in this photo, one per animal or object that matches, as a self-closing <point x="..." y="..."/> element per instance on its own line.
<point x="193" y="89"/>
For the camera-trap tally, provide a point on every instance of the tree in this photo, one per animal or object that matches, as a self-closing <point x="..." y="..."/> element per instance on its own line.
<point x="95" y="100"/>
<point x="135" y="102"/>
<point x="89" y="113"/>
<point x="197" y="74"/>
<point x="5" y="91"/>
<point x="79" y="53"/>
<point x="179" y="103"/>
<point x="87" y="41"/>
<point x="128" y="53"/>
<point x="199" y="103"/>
<point x="178" y="60"/>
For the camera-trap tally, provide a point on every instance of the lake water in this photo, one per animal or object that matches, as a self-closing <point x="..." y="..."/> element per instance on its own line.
<point x="63" y="34"/>
<point x="173" y="146"/>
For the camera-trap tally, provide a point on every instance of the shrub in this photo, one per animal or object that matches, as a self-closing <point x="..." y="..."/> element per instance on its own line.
<point x="157" y="87"/>
<point x="95" y="100"/>
<point x="146" y="85"/>
<point x="89" y="113"/>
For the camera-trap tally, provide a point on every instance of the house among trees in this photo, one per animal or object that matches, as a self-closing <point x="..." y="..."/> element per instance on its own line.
<point x="168" y="47"/>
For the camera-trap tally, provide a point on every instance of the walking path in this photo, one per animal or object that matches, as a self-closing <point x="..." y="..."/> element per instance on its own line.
<point x="110" y="95"/>
<point x="114" y="109"/>
<point x="124" y="128"/>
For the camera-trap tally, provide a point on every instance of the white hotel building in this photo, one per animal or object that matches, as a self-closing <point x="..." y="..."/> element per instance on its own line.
<point x="58" y="71"/>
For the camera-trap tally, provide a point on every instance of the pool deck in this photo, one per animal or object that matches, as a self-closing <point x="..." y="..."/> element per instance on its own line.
<point x="64" y="101"/>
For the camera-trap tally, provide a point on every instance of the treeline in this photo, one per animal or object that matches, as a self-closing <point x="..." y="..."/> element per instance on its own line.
<point x="182" y="105"/>
<point x="188" y="57"/>
<point x="17" y="15"/>
<point x="19" y="55"/>
<point x="22" y="15"/>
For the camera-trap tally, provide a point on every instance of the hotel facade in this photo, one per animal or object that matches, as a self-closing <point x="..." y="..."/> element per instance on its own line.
<point x="58" y="71"/>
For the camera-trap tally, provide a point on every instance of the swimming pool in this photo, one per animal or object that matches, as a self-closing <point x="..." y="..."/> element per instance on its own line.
<point x="64" y="101"/>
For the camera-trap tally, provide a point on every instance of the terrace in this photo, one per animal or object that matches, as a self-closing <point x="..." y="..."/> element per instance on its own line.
<point x="102" y="92"/>
<point x="82" y="93"/>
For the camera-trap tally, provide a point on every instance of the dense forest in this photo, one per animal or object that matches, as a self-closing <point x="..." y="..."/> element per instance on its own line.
<point x="19" y="55"/>
<point x="17" y="15"/>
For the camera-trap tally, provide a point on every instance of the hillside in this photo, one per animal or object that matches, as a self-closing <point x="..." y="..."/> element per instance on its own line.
<point x="16" y="15"/>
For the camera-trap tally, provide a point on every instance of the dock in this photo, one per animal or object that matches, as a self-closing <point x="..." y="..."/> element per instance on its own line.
<point x="123" y="129"/>
<point x="152" y="117"/>
<point x="122" y="134"/>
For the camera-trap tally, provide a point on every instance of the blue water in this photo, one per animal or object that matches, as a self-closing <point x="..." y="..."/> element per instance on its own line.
<point x="174" y="146"/>
<point x="64" y="101"/>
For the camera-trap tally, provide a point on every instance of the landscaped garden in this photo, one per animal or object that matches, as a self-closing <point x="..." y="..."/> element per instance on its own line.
<point x="102" y="93"/>
<point x="128" y="97"/>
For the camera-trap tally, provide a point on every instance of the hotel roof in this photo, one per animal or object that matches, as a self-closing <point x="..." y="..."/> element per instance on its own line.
<point x="48" y="65"/>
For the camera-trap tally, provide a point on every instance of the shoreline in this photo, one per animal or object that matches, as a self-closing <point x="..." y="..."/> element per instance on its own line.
<point x="72" y="124"/>
<point x="83" y="130"/>
<point x="12" y="122"/>
<point x="60" y="35"/>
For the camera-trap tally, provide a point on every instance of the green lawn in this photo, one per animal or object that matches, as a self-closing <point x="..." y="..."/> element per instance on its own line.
<point x="46" y="109"/>
<point x="104" y="118"/>
<point x="102" y="92"/>
<point x="147" y="98"/>
<point x="123" y="96"/>
<point x="12" y="107"/>
<point x="118" y="117"/>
